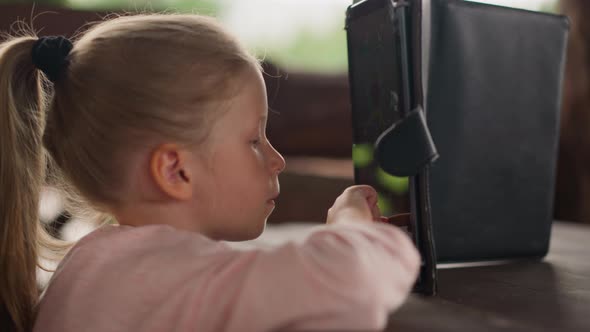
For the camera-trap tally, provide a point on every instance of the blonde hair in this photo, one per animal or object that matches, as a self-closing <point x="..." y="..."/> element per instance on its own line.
<point x="131" y="81"/>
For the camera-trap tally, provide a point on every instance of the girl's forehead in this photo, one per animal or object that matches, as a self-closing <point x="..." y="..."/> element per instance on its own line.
<point x="248" y="107"/>
<point x="251" y="98"/>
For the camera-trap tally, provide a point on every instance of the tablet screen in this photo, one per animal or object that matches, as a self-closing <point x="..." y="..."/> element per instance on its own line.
<point x="375" y="81"/>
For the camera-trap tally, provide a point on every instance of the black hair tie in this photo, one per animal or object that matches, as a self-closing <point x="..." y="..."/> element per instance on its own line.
<point x="50" y="55"/>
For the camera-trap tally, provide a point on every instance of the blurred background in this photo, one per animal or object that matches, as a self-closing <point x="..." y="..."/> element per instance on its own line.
<point x="303" y="44"/>
<point x="296" y="34"/>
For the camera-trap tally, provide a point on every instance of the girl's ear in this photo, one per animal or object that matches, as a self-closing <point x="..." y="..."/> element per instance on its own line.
<point x="170" y="172"/>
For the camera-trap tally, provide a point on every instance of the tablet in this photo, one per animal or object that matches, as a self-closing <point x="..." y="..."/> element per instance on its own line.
<point x="492" y="93"/>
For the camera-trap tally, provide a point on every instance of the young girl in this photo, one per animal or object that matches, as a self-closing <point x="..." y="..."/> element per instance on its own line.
<point x="159" y="122"/>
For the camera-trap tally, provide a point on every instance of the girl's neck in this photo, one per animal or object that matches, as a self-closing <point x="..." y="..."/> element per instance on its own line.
<point x="141" y="214"/>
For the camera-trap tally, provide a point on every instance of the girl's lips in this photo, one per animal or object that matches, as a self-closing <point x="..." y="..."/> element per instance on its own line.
<point x="274" y="198"/>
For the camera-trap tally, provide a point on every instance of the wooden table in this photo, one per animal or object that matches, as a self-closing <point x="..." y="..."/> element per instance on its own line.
<point x="548" y="295"/>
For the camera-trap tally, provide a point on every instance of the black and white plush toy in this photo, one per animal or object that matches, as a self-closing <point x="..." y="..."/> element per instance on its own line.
<point x="59" y="224"/>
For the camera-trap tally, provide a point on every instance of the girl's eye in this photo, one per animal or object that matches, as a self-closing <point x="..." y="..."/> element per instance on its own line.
<point x="255" y="142"/>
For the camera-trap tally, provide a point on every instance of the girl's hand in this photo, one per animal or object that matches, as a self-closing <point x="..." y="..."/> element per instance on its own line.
<point x="358" y="203"/>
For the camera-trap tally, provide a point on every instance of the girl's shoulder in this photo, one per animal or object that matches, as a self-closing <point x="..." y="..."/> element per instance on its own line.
<point x="137" y="250"/>
<point x="113" y="246"/>
<point x="160" y="237"/>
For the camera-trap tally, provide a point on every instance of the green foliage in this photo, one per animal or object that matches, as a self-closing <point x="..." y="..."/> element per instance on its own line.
<point x="551" y="7"/>
<point x="311" y="51"/>
<point x="40" y="2"/>
<point x="208" y="7"/>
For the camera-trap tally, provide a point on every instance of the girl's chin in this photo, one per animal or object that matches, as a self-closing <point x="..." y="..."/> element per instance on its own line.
<point x="250" y="233"/>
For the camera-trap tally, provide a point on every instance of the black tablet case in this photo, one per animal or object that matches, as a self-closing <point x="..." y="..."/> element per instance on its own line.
<point x="487" y="80"/>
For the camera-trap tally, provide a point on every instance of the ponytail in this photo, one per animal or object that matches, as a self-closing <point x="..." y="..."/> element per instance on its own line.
<point x="23" y="166"/>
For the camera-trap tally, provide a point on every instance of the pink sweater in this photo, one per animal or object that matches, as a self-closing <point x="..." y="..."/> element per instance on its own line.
<point x="156" y="278"/>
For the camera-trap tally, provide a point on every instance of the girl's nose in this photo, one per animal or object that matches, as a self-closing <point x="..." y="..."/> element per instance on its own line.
<point x="277" y="161"/>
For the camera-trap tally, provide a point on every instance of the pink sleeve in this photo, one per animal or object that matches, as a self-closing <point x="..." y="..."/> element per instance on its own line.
<point x="347" y="275"/>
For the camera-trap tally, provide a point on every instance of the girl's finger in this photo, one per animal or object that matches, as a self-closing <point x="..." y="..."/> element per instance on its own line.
<point x="375" y="212"/>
